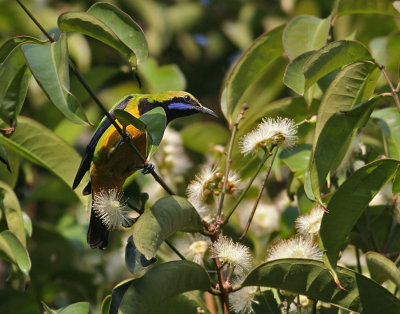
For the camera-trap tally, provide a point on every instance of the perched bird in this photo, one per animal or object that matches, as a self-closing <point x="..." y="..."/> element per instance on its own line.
<point x="111" y="161"/>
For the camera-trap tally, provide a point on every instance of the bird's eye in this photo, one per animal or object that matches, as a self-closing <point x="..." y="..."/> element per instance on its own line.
<point x="186" y="98"/>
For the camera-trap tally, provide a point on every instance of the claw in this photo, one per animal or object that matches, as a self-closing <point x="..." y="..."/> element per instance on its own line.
<point x="148" y="168"/>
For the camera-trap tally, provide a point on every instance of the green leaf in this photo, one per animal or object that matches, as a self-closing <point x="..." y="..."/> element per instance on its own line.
<point x="167" y="216"/>
<point x="348" y="203"/>
<point x="297" y="158"/>
<point x="14" y="79"/>
<point x="253" y="62"/>
<point x="49" y="66"/>
<point x="367" y="7"/>
<point x="304" y="33"/>
<point x="13" y="251"/>
<point x="41" y="146"/>
<point x="294" y="76"/>
<point x="105" y="305"/>
<point x="312" y="279"/>
<point x="125" y="118"/>
<point x="107" y="23"/>
<point x="382" y="268"/>
<point x="9" y="45"/>
<point x="161" y="78"/>
<point x="189" y="302"/>
<point x="156" y="122"/>
<point x="200" y="136"/>
<point x="9" y="204"/>
<point x="396" y="182"/>
<point x="3" y="157"/>
<point x="134" y="260"/>
<point x="331" y="57"/>
<point x="168" y="279"/>
<point x="334" y="139"/>
<point x="389" y="121"/>
<point x="76" y="308"/>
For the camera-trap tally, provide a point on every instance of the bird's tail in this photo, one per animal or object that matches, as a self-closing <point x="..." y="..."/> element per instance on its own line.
<point x="97" y="236"/>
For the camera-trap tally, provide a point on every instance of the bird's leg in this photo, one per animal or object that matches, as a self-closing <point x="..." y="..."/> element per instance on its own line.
<point x="147" y="168"/>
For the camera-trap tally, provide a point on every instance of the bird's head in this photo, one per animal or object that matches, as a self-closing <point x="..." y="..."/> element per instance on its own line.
<point x="176" y="104"/>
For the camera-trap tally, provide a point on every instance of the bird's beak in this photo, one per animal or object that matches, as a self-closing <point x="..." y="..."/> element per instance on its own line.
<point x="205" y="110"/>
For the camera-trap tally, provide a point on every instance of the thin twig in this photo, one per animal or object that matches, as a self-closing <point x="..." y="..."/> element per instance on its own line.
<point x="392" y="89"/>
<point x="221" y="280"/>
<point x="244" y="192"/>
<point x="229" y="161"/>
<point x="275" y="150"/>
<point x="358" y="260"/>
<point x="125" y="136"/>
<point x="175" y="250"/>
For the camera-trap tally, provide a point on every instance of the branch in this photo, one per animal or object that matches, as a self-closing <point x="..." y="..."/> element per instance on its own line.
<point x="92" y="94"/>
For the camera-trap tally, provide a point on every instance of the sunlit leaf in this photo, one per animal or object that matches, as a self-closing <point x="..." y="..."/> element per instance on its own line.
<point x="8" y="46"/>
<point x="9" y="204"/>
<point x="205" y="134"/>
<point x="294" y="76"/>
<point x="305" y="33"/>
<point x="125" y="118"/>
<point x="167" y="216"/>
<point x="382" y="268"/>
<point x="168" y="279"/>
<point x="253" y="62"/>
<point x="76" y="308"/>
<point x="156" y="122"/>
<point x="49" y="66"/>
<point x="297" y="158"/>
<point x="107" y="23"/>
<point x="105" y="305"/>
<point x="161" y="78"/>
<point x="13" y="251"/>
<point x="348" y="203"/>
<point x="312" y="279"/>
<point x="331" y="57"/>
<point x="41" y="146"/>
<point x="367" y="7"/>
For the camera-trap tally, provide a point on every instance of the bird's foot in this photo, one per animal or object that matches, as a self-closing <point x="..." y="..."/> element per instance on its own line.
<point x="148" y="168"/>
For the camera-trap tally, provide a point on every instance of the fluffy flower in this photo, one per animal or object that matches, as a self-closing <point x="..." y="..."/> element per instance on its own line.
<point x="199" y="189"/>
<point x="198" y="247"/>
<point x="234" y="254"/>
<point x="295" y="247"/>
<point x="110" y="208"/>
<point x="279" y="131"/>
<point x="241" y="300"/>
<point x="309" y="224"/>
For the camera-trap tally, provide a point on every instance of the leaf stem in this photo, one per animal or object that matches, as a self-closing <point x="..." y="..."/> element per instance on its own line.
<point x="92" y="94"/>
<point x="244" y="192"/>
<point x="229" y="160"/>
<point x="274" y="153"/>
<point x="224" y="291"/>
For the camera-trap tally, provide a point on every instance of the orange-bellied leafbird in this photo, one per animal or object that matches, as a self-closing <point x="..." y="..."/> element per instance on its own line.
<point x="111" y="161"/>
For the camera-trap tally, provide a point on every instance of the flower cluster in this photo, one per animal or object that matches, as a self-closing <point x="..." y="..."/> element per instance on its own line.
<point x="295" y="247"/>
<point x="279" y="131"/>
<point x="309" y="224"/>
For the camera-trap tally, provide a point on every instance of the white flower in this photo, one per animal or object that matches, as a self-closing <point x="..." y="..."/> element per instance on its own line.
<point x="241" y="300"/>
<point x="384" y="196"/>
<point x="110" y="208"/>
<point x="197" y="248"/>
<point x="295" y="247"/>
<point x="309" y="224"/>
<point x="199" y="190"/>
<point x="234" y="254"/>
<point x="279" y="131"/>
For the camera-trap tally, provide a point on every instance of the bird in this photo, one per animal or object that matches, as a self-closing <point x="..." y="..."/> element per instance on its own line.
<point x="110" y="160"/>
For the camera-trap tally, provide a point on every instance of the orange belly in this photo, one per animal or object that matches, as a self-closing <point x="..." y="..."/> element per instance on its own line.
<point x="112" y="166"/>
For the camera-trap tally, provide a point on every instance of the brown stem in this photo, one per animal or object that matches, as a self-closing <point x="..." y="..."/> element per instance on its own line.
<point x="259" y="194"/>
<point x="229" y="161"/>
<point x="223" y="286"/>
<point x="100" y="104"/>
<point x="210" y="303"/>
<point x="392" y="89"/>
<point x="244" y="192"/>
